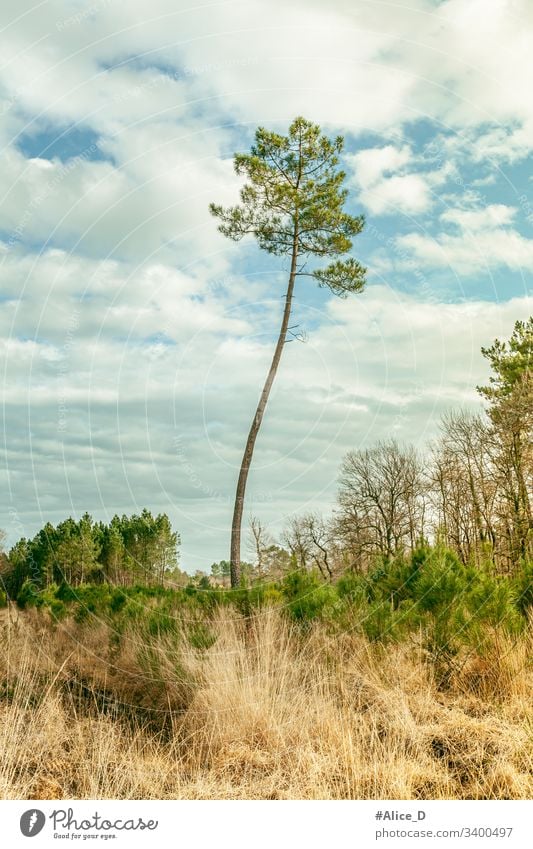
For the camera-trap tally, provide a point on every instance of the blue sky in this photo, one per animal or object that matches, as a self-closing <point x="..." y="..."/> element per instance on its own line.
<point x="135" y="338"/>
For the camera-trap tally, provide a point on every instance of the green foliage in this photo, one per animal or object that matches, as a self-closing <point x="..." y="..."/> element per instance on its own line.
<point x="431" y="598"/>
<point x="307" y="595"/>
<point x="352" y="587"/>
<point x="293" y="202"/>
<point x="510" y="393"/>
<point x="434" y="594"/>
<point x="58" y="610"/>
<point x="381" y="622"/>
<point x="523" y="584"/>
<point x="161" y="621"/>
<point x="495" y="601"/>
<point x="28" y="595"/>
<point x="510" y="361"/>
<point x="220" y="569"/>
<point x="66" y="593"/>
<point x="129" y="549"/>
<point x="394" y="579"/>
<point x="91" y="600"/>
<point x="442" y="581"/>
<point x="341" y="277"/>
<point x="117" y="601"/>
<point x="18" y="569"/>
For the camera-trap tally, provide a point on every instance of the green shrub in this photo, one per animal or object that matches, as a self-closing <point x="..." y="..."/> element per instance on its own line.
<point x="394" y="579"/>
<point x="28" y="595"/>
<point x="117" y="601"/>
<point x="381" y="622"/>
<point x="352" y="587"/>
<point x="308" y="596"/>
<point x="494" y="601"/>
<point x="523" y="584"/>
<point x="57" y="609"/>
<point x="66" y="593"/>
<point x="160" y="622"/>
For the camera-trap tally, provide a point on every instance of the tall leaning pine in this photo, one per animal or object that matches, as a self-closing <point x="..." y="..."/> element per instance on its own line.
<point x="293" y="204"/>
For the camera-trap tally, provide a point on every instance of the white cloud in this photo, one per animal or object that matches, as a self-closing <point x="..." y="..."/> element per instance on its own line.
<point x="466" y="62"/>
<point x="372" y="164"/>
<point x="388" y="181"/>
<point x="502" y="144"/>
<point x="155" y="351"/>
<point x="100" y="420"/>
<point x="485" y="241"/>
<point x="492" y="217"/>
<point x="158" y="85"/>
<point x="468" y="254"/>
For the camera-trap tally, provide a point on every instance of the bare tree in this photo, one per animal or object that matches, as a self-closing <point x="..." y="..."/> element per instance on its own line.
<point x="382" y="497"/>
<point x="260" y="541"/>
<point x="464" y="485"/>
<point x="296" y="539"/>
<point x="310" y="540"/>
<point x="271" y="560"/>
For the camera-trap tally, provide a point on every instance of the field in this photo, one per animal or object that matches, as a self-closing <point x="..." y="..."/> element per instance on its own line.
<point x="221" y="703"/>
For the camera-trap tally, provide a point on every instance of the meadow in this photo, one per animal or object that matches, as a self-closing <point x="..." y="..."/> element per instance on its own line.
<point x="411" y="682"/>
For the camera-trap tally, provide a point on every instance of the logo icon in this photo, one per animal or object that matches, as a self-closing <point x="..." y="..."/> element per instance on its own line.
<point x="32" y="822"/>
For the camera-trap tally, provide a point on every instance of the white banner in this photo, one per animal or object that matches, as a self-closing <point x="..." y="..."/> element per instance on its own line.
<point x="267" y="825"/>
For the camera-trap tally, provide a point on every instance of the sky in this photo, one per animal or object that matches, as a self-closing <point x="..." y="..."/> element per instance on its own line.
<point x="135" y="338"/>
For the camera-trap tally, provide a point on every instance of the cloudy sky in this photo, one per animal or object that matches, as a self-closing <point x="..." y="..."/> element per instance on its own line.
<point x="135" y="338"/>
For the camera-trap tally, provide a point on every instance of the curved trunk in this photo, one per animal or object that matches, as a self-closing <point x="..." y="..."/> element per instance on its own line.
<point x="235" y="550"/>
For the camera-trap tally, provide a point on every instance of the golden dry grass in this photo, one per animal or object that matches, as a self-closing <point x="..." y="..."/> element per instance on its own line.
<point x="265" y="713"/>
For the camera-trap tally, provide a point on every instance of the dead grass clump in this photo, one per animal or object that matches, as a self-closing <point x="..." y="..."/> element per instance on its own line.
<point x="263" y="712"/>
<point x="502" y="672"/>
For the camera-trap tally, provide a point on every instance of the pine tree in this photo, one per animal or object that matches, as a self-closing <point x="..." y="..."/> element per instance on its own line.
<point x="293" y="205"/>
<point x="510" y="397"/>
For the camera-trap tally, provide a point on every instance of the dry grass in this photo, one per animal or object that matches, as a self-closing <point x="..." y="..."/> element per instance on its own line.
<point x="265" y="713"/>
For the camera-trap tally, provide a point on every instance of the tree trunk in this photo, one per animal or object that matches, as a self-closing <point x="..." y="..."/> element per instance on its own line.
<point x="235" y="550"/>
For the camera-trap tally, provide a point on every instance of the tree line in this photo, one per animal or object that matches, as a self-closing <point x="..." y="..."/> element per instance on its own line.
<point x="472" y="490"/>
<point x="130" y="549"/>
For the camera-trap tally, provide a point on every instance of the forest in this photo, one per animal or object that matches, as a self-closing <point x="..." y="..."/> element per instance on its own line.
<point x="130" y="549"/>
